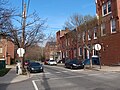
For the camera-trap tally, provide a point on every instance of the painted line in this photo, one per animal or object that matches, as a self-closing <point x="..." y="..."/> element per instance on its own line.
<point x="34" y="84"/>
<point x="57" y="72"/>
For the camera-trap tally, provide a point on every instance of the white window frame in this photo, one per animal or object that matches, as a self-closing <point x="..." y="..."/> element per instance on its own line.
<point x="105" y="6"/>
<point x="102" y="29"/>
<point x="95" y="32"/>
<point x="1" y="50"/>
<point x="109" y="4"/>
<point x="89" y="35"/>
<point x="83" y="36"/>
<point x="113" y="25"/>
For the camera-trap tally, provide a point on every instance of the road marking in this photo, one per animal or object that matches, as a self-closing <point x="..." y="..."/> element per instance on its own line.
<point x="34" y="84"/>
<point x="64" y="71"/>
<point x="58" y="72"/>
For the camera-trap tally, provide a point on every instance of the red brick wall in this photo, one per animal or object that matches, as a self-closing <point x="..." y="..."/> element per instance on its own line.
<point x="110" y="52"/>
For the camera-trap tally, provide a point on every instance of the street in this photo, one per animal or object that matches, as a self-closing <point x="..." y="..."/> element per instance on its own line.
<point x="60" y="78"/>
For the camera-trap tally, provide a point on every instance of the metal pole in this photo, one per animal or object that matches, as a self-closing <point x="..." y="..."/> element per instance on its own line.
<point x="99" y="59"/>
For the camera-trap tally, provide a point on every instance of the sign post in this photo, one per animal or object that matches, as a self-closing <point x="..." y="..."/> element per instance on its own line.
<point x="98" y="48"/>
<point x="21" y="52"/>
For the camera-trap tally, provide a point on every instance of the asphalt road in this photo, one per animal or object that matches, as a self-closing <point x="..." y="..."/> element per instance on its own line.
<point x="59" y="78"/>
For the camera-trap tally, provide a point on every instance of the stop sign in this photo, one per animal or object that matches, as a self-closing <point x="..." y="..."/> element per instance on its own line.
<point x="20" y="52"/>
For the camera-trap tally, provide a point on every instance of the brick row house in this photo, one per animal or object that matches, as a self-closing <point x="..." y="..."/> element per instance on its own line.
<point x="60" y="42"/>
<point x="104" y="31"/>
<point x="51" y="50"/>
<point x="6" y="50"/>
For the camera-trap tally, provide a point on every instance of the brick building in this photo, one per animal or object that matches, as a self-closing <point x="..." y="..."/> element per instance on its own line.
<point x="51" y="50"/>
<point x="6" y="50"/>
<point x="106" y="32"/>
<point x="108" y="12"/>
<point x="60" y="42"/>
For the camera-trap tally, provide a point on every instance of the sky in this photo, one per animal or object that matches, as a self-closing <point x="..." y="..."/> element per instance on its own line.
<point x="57" y="11"/>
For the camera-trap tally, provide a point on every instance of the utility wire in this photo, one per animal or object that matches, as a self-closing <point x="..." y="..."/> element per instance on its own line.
<point x="28" y="5"/>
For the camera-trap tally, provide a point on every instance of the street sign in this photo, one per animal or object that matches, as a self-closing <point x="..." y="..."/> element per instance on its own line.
<point x="20" y="52"/>
<point x="97" y="47"/>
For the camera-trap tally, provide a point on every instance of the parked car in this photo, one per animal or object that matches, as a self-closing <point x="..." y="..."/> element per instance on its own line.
<point x="35" y="67"/>
<point x="52" y="62"/>
<point x="46" y="62"/>
<point x="74" y="64"/>
<point x="60" y="61"/>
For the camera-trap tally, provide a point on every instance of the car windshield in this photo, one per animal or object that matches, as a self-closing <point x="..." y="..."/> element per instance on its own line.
<point x="75" y="61"/>
<point x="34" y="64"/>
<point x="52" y="60"/>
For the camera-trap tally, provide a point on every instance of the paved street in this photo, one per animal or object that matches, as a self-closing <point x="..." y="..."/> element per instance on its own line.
<point x="59" y="78"/>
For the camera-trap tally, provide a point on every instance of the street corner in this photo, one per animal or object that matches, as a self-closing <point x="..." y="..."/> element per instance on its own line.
<point x="20" y="78"/>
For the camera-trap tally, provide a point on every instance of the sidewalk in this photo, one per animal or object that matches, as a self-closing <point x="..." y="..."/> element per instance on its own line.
<point x="107" y="68"/>
<point x="97" y="68"/>
<point x="11" y="76"/>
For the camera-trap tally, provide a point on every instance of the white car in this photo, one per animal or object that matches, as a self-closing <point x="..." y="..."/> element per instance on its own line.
<point x="52" y="62"/>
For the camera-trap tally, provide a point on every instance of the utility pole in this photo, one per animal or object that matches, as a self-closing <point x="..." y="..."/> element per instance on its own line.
<point x="23" y="32"/>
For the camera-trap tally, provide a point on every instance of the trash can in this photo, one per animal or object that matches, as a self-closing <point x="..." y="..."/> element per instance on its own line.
<point x="2" y="64"/>
<point x="95" y="60"/>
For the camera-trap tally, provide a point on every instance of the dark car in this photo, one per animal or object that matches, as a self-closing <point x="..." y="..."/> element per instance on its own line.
<point x="74" y="64"/>
<point x="35" y="67"/>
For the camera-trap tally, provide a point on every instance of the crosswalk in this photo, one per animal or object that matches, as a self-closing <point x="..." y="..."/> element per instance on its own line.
<point x="54" y="79"/>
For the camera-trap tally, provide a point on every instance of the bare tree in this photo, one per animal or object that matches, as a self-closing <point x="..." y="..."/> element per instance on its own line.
<point x="51" y="38"/>
<point x="22" y="29"/>
<point x="74" y="21"/>
<point x="5" y="15"/>
<point x="34" y="52"/>
<point x="33" y="26"/>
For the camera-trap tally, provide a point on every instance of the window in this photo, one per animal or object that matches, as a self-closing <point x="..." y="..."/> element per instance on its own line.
<point x="89" y="38"/>
<point x="109" y="6"/>
<point x="103" y="29"/>
<point x="80" y="51"/>
<point x="66" y="42"/>
<point x="79" y="36"/>
<point x="83" y="36"/>
<point x="95" y="33"/>
<point x="104" y="9"/>
<point x="113" y="26"/>
<point x="75" y="53"/>
<point x="1" y="50"/>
